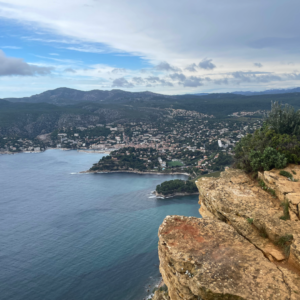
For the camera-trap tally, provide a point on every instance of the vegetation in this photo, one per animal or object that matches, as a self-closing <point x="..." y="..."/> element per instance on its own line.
<point x="125" y="159"/>
<point x="123" y="106"/>
<point x="265" y="188"/>
<point x="222" y="161"/>
<point x="263" y="232"/>
<point x="175" y="164"/>
<point x="286" y="213"/>
<point x="250" y="220"/>
<point x="284" y="119"/>
<point x="274" y="145"/>
<point x="163" y="289"/>
<point x="288" y="175"/>
<point x="285" y="242"/>
<point x="176" y="186"/>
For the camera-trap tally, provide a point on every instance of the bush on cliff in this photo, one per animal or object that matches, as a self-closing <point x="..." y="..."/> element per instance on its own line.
<point x="274" y="145"/>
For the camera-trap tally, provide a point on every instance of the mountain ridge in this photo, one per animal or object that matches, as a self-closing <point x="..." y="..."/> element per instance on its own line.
<point x="67" y="96"/>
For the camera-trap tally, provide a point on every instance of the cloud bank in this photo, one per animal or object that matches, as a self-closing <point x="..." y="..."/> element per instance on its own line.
<point x="182" y="47"/>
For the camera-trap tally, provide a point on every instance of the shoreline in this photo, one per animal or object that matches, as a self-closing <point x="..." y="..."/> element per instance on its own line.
<point x="133" y="172"/>
<point x="161" y="196"/>
<point x="20" y="152"/>
<point x="61" y="149"/>
<point x="94" y="151"/>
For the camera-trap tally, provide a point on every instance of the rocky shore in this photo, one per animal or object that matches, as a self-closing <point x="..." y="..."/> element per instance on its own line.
<point x="246" y="246"/>
<point x="173" y="195"/>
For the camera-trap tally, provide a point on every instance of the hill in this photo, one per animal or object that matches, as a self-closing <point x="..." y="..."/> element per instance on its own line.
<point x="43" y="113"/>
<point x="67" y="96"/>
<point x="273" y="91"/>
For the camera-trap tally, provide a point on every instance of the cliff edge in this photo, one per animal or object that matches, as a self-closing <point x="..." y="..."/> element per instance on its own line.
<point x="246" y="246"/>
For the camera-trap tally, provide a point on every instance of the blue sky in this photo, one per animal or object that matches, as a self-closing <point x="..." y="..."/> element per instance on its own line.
<point x="166" y="47"/>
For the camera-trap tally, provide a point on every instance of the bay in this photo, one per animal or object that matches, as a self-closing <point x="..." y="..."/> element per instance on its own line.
<point x="70" y="236"/>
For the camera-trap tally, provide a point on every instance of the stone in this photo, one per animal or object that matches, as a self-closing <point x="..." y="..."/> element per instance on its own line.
<point x="161" y="295"/>
<point x="241" y="248"/>
<point x="207" y="259"/>
<point x="236" y="199"/>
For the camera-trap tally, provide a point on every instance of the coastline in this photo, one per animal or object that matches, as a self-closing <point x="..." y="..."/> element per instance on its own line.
<point x="173" y="195"/>
<point x="134" y="172"/>
<point x="61" y="149"/>
<point x="13" y="153"/>
<point x="94" y="151"/>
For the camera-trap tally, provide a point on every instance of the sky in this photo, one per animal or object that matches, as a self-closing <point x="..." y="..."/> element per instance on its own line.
<point x="169" y="47"/>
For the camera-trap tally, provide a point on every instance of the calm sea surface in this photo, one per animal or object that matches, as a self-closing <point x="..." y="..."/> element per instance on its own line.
<point x="68" y="236"/>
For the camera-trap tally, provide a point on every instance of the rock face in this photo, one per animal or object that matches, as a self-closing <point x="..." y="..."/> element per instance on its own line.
<point x="241" y="248"/>
<point x="161" y="295"/>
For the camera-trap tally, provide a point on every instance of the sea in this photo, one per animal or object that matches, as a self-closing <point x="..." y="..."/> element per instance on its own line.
<point x="71" y="236"/>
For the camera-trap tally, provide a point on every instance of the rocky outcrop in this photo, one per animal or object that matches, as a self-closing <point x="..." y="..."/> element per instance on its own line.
<point x="161" y="295"/>
<point x="285" y="189"/>
<point x="242" y="248"/>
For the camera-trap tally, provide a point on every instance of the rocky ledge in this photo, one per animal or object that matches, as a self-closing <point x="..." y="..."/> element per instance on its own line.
<point x="246" y="246"/>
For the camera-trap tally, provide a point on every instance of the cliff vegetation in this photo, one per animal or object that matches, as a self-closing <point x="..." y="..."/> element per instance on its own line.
<point x="274" y="145"/>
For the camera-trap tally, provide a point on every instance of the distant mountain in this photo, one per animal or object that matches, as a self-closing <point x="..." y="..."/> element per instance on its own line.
<point x="67" y="96"/>
<point x="45" y="112"/>
<point x="269" y="92"/>
<point x="200" y="94"/>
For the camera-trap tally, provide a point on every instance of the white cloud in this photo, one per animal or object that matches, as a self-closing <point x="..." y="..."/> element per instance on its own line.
<point x="233" y="33"/>
<point x="190" y="28"/>
<point x="11" y="47"/>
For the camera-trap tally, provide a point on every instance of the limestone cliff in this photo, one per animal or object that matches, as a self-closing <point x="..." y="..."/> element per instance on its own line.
<point x="242" y="248"/>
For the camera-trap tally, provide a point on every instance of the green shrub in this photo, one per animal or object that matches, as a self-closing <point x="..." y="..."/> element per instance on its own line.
<point x="286" y="174"/>
<point x="286" y="213"/>
<point x="284" y="119"/>
<point x="274" y="145"/>
<point x="267" y="160"/>
<point x="285" y="242"/>
<point x="163" y="288"/>
<point x="265" y="188"/>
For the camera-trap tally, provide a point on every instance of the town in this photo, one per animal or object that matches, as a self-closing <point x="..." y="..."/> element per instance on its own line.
<point x="186" y="141"/>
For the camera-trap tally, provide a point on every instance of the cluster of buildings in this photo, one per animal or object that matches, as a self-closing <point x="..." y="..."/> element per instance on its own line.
<point x="194" y="140"/>
<point x="10" y="145"/>
<point x="248" y="113"/>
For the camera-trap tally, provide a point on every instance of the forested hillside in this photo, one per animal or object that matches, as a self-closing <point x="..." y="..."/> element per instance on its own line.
<point x="37" y="114"/>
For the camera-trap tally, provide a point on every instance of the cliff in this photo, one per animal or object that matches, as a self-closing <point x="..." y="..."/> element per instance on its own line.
<point x="246" y="246"/>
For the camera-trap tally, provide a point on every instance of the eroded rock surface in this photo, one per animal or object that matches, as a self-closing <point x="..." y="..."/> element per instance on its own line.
<point x="238" y="200"/>
<point x="209" y="259"/>
<point x="242" y="248"/>
<point x="161" y="295"/>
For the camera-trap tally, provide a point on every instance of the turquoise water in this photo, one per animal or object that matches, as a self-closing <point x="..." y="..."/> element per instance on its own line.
<point x="69" y="236"/>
